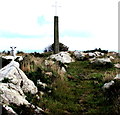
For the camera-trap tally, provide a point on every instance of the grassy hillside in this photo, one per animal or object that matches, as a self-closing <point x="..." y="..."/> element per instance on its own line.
<point x="78" y="91"/>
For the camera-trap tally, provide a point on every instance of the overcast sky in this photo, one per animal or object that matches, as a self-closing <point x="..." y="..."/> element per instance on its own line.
<point x="83" y="24"/>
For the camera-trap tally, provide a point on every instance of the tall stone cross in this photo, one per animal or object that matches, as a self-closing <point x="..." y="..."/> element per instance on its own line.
<point x="56" y="30"/>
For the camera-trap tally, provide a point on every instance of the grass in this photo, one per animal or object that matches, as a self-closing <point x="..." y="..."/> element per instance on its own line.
<point x="81" y="95"/>
<point x="79" y="91"/>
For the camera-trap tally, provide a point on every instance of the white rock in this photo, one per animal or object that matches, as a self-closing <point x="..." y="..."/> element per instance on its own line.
<point x="20" y="58"/>
<point x="49" y="62"/>
<point x="49" y="73"/>
<point x="8" y="57"/>
<point x="111" y="57"/>
<point x="17" y="77"/>
<point x="18" y="84"/>
<point x="102" y="54"/>
<point x="42" y="84"/>
<point x="41" y="94"/>
<point x="37" y="109"/>
<point x="80" y="55"/>
<point x="107" y="85"/>
<point x="63" y="57"/>
<point x="101" y="60"/>
<point x="12" y="94"/>
<point x="9" y="110"/>
<point x="97" y="53"/>
<point x="91" y="54"/>
<point x="117" y="65"/>
<point x="117" y="77"/>
<point x="63" y="70"/>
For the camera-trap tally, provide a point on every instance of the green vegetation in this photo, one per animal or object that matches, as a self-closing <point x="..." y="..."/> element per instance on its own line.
<point x="79" y="91"/>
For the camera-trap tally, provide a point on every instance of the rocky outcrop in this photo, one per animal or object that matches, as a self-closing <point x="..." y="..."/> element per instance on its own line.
<point x="101" y="60"/>
<point x="82" y="55"/>
<point x="63" y="57"/>
<point x="12" y="94"/>
<point x="14" y="83"/>
<point x="17" y="77"/>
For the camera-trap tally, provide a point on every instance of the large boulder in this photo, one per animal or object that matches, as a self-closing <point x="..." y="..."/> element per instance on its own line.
<point x="63" y="57"/>
<point x="14" y="83"/>
<point x="12" y="94"/>
<point x="17" y="77"/>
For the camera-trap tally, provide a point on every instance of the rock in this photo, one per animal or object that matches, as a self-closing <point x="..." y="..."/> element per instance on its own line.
<point x="117" y="77"/>
<point x="97" y="53"/>
<point x="17" y="77"/>
<point x="91" y="55"/>
<point x="12" y="94"/>
<point x="41" y="94"/>
<point x="101" y="60"/>
<point x="63" y="57"/>
<point x="9" y="110"/>
<point x="42" y="84"/>
<point x="49" y="73"/>
<point x="19" y="58"/>
<point x="117" y="65"/>
<point x="15" y="85"/>
<point x="111" y="58"/>
<point x="8" y="57"/>
<point x="102" y="54"/>
<point x="49" y="62"/>
<point x="107" y="85"/>
<point x="80" y="55"/>
<point x="37" y="110"/>
<point x="63" y="69"/>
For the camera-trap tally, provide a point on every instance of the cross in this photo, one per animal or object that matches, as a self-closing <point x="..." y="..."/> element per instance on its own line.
<point x="56" y="7"/>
